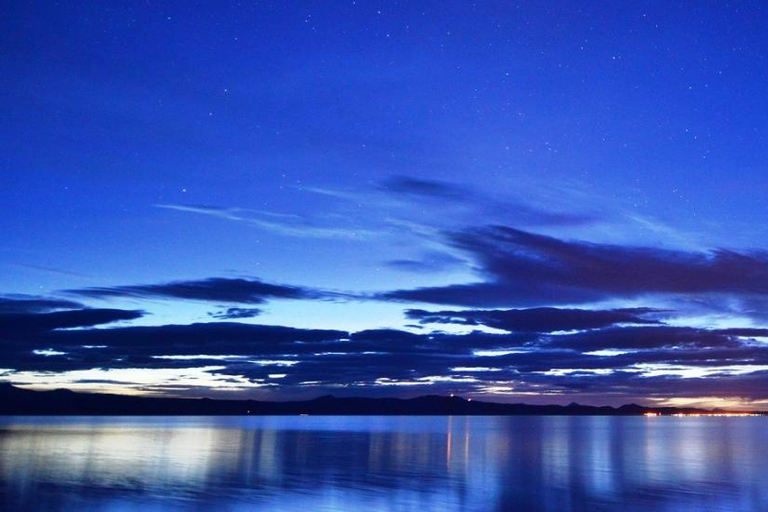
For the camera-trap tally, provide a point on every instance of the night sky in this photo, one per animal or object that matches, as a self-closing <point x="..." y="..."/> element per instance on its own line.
<point x="534" y="202"/>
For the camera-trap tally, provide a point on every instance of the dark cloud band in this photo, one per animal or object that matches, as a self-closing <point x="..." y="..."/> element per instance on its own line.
<point x="615" y="353"/>
<point x="214" y="289"/>
<point x="522" y="268"/>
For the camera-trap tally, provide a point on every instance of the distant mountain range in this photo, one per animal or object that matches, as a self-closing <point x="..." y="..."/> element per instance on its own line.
<point x="17" y="401"/>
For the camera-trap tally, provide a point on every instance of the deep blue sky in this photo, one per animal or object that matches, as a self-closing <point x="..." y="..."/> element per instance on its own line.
<point x="330" y="167"/>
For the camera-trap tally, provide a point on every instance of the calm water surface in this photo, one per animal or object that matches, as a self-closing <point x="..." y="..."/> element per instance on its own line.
<point x="320" y="463"/>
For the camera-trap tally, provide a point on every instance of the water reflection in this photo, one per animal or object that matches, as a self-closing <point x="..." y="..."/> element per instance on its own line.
<point x="384" y="463"/>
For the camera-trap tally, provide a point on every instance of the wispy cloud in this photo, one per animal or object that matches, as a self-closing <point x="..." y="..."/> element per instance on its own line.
<point x="279" y="223"/>
<point x="428" y="262"/>
<point x="52" y="270"/>
<point x="400" y="193"/>
<point x="524" y="268"/>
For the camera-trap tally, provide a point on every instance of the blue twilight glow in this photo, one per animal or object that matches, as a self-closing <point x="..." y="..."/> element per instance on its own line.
<point x="553" y="202"/>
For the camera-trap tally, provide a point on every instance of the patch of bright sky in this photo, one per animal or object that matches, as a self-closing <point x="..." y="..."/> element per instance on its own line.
<point x="474" y="369"/>
<point x="609" y="352"/>
<point x="711" y="402"/>
<point x="425" y="381"/>
<point x="202" y="356"/>
<point x="712" y="321"/>
<point x="48" y="352"/>
<point x="130" y="380"/>
<point x="559" y="372"/>
<point x="350" y="316"/>
<point x="660" y="370"/>
<point x="497" y="352"/>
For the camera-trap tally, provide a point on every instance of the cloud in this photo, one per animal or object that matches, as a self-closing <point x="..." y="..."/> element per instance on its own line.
<point x="11" y="324"/>
<point x="214" y="289"/>
<point x="34" y="304"/>
<point x="215" y="338"/>
<point x="619" y="352"/>
<point x="430" y="261"/>
<point x="279" y="223"/>
<point x="627" y="386"/>
<point x="404" y="205"/>
<point x="447" y="193"/>
<point x="417" y="187"/>
<point x="53" y="270"/>
<point x="523" y="268"/>
<point x="381" y="360"/>
<point x="166" y="346"/>
<point x="32" y="316"/>
<point x="537" y="319"/>
<point x="679" y="338"/>
<point x="236" y="313"/>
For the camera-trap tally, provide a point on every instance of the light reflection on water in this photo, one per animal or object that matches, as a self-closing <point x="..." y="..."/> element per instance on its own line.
<point x="384" y="463"/>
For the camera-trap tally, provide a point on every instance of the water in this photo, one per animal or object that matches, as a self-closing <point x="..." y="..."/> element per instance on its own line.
<point x="319" y="463"/>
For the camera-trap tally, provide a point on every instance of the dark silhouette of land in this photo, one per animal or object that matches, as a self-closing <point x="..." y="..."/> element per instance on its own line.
<point x="17" y="401"/>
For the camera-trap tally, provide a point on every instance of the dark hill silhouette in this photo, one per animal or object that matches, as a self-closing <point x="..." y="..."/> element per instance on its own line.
<point x="17" y="401"/>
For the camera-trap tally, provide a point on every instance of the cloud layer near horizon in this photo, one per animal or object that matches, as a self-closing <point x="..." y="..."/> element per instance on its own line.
<point x="617" y="354"/>
<point x="555" y="338"/>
